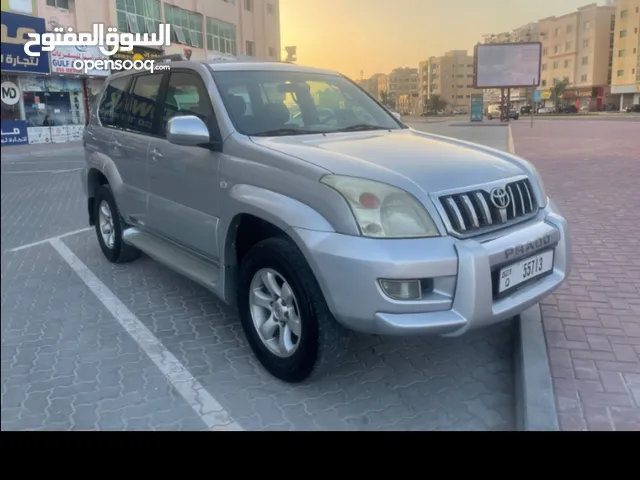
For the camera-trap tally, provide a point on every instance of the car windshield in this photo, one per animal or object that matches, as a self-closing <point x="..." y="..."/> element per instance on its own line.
<point x="278" y="103"/>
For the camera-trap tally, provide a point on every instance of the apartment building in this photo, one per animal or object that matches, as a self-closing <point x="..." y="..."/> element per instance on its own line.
<point x="578" y="46"/>
<point x="372" y="85"/>
<point x="54" y="98"/>
<point x="451" y="77"/>
<point x="625" y="78"/>
<point x="402" y="81"/>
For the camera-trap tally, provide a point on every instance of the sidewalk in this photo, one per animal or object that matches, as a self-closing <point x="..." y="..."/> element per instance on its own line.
<point x="40" y="150"/>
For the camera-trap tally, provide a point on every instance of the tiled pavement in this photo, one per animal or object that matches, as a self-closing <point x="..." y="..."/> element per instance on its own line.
<point x="591" y="168"/>
<point x="68" y="364"/>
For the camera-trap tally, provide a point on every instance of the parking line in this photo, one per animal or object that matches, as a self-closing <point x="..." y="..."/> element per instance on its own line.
<point x="16" y="172"/>
<point x="214" y="416"/>
<point x="47" y="240"/>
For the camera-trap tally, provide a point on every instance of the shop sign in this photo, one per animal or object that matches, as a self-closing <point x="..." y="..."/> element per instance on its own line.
<point x="10" y="93"/>
<point x="14" y="132"/>
<point x="36" y="83"/>
<point x="62" y="59"/>
<point x="188" y="53"/>
<point x="15" y="28"/>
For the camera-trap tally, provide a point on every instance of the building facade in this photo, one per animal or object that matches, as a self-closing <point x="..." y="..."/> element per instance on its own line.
<point x="372" y="85"/>
<point x="625" y="78"/>
<point x="402" y="81"/>
<point x="449" y="76"/>
<point x="50" y="101"/>
<point x="578" y="47"/>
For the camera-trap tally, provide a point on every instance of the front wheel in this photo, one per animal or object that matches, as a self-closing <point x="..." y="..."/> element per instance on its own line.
<point x="109" y="226"/>
<point x="284" y="315"/>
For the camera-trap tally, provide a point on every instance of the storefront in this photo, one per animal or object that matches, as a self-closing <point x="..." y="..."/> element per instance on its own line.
<point x="627" y="95"/>
<point x="16" y="65"/>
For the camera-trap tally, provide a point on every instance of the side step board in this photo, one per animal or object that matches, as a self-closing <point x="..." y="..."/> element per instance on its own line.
<point x="190" y="265"/>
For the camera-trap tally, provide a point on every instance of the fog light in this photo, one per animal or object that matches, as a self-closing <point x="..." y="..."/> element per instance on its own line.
<point x="402" y="289"/>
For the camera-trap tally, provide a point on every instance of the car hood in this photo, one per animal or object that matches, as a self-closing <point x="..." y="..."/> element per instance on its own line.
<point x="405" y="158"/>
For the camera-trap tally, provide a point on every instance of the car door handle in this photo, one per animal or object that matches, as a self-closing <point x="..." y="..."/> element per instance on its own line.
<point x="156" y="153"/>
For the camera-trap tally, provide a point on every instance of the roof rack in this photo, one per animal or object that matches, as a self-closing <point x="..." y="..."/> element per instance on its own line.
<point x="175" y="57"/>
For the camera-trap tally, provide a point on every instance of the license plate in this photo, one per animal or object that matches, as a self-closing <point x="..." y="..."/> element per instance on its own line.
<point x="531" y="267"/>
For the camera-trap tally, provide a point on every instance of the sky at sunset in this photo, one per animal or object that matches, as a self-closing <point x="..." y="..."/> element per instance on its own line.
<point x="379" y="35"/>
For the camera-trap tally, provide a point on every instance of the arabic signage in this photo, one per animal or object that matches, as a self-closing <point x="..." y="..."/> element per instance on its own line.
<point x="138" y="53"/>
<point x="537" y="95"/>
<point x="62" y="59"/>
<point x="14" y="132"/>
<point x="15" y="28"/>
<point x="477" y="107"/>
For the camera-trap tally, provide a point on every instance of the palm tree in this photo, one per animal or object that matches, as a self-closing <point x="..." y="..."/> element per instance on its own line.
<point x="559" y="88"/>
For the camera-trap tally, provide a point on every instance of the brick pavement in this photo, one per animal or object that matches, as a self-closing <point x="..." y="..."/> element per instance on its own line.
<point x="592" y="171"/>
<point x="68" y="364"/>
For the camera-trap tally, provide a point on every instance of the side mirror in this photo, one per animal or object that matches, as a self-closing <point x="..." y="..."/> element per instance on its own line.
<point x="188" y="131"/>
<point x="397" y="115"/>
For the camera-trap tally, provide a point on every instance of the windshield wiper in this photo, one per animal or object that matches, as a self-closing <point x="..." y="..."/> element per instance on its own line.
<point x="284" y="131"/>
<point x="361" y="127"/>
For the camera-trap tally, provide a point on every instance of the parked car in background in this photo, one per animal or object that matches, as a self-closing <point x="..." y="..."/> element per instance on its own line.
<point x="567" y="109"/>
<point x="495" y="113"/>
<point x="526" y="110"/>
<point x="320" y="224"/>
<point x="633" y="108"/>
<point x="459" y="111"/>
<point x="543" y="110"/>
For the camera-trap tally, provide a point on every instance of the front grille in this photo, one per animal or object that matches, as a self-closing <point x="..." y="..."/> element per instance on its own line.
<point x="473" y="211"/>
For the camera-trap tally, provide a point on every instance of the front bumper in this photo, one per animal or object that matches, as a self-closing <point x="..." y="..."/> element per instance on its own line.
<point x="348" y="268"/>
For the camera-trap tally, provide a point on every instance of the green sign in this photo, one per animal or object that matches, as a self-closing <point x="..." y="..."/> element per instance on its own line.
<point x="477" y="107"/>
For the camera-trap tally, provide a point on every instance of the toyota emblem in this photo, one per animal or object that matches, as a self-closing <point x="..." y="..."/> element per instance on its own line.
<point x="500" y="198"/>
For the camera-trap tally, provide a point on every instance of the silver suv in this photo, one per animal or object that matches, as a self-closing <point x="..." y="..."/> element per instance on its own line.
<point x="293" y="194"/>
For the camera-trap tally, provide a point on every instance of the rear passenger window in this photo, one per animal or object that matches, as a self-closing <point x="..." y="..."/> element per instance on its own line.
<point x="143" y="104"/>
<point x="113" y="101"/>
<point x="186" y="95"/>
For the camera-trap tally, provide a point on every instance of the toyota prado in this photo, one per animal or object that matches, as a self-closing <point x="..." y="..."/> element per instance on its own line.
<point x="291" y="193"/>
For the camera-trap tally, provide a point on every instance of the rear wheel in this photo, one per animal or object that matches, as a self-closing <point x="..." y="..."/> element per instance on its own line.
<point x="284" y="315"/>
<point x="109" y="226"/>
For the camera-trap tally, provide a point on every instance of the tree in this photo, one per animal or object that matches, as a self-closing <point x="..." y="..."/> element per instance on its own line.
<point x="559" y="89"/>
<point x="384" y="97"/>
<point x="436" y="103"/>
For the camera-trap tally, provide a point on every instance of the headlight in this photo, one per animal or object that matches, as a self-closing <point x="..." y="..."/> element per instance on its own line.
<point x="383" y="211"/>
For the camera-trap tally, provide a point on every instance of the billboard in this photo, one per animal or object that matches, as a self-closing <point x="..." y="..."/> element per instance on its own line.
<point x="507" y="65"/>
<point x="14" y="35"/>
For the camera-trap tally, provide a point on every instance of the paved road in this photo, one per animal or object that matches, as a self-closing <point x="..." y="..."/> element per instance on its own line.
<point x="72" y="355"/>
<point x="592" y="324"/>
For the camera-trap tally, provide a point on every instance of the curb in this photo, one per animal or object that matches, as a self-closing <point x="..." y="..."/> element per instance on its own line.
<point x="42" y="153"/>
<point x="535" y="400"/>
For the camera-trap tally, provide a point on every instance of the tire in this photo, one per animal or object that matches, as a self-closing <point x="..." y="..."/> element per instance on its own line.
<point x="118" y="251"/>
<point x="321" y="341"/>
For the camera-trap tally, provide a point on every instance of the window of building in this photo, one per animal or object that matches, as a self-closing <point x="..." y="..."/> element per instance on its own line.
<point x="545" y="51"/>
<point x="555" y="82"/>
<point x="620" y="73"/>
<point x="250" y="48"/>
<point x="623" y="33"/>
<point x="555" y="65"/>
<point x="566" y="64"/>
<point x="585" y="43"/>
<point x="221" y="36"/>
<point x="624" y="13"/>
<point x="186" y="27"/>
<point x="544" y="67"/>
<point x="141" y="16"/>
<point x="270" y="9"/>
<point x="621" y="53"/>
<point x="557" y="32"/>
<point x="567" y="46"/>
<point x="583" y="78"/>
<point x="586" y="25"/>
<point x="584" y="61"/>
<point x="544" y="83"/>
<point x="467" y="96"/>
<point x="556" y="49"/>
<point x="248" y="5"/>
<point x="64" y="4"/>
<point x="272" y="52"/>
<point x="460" y="96"/>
